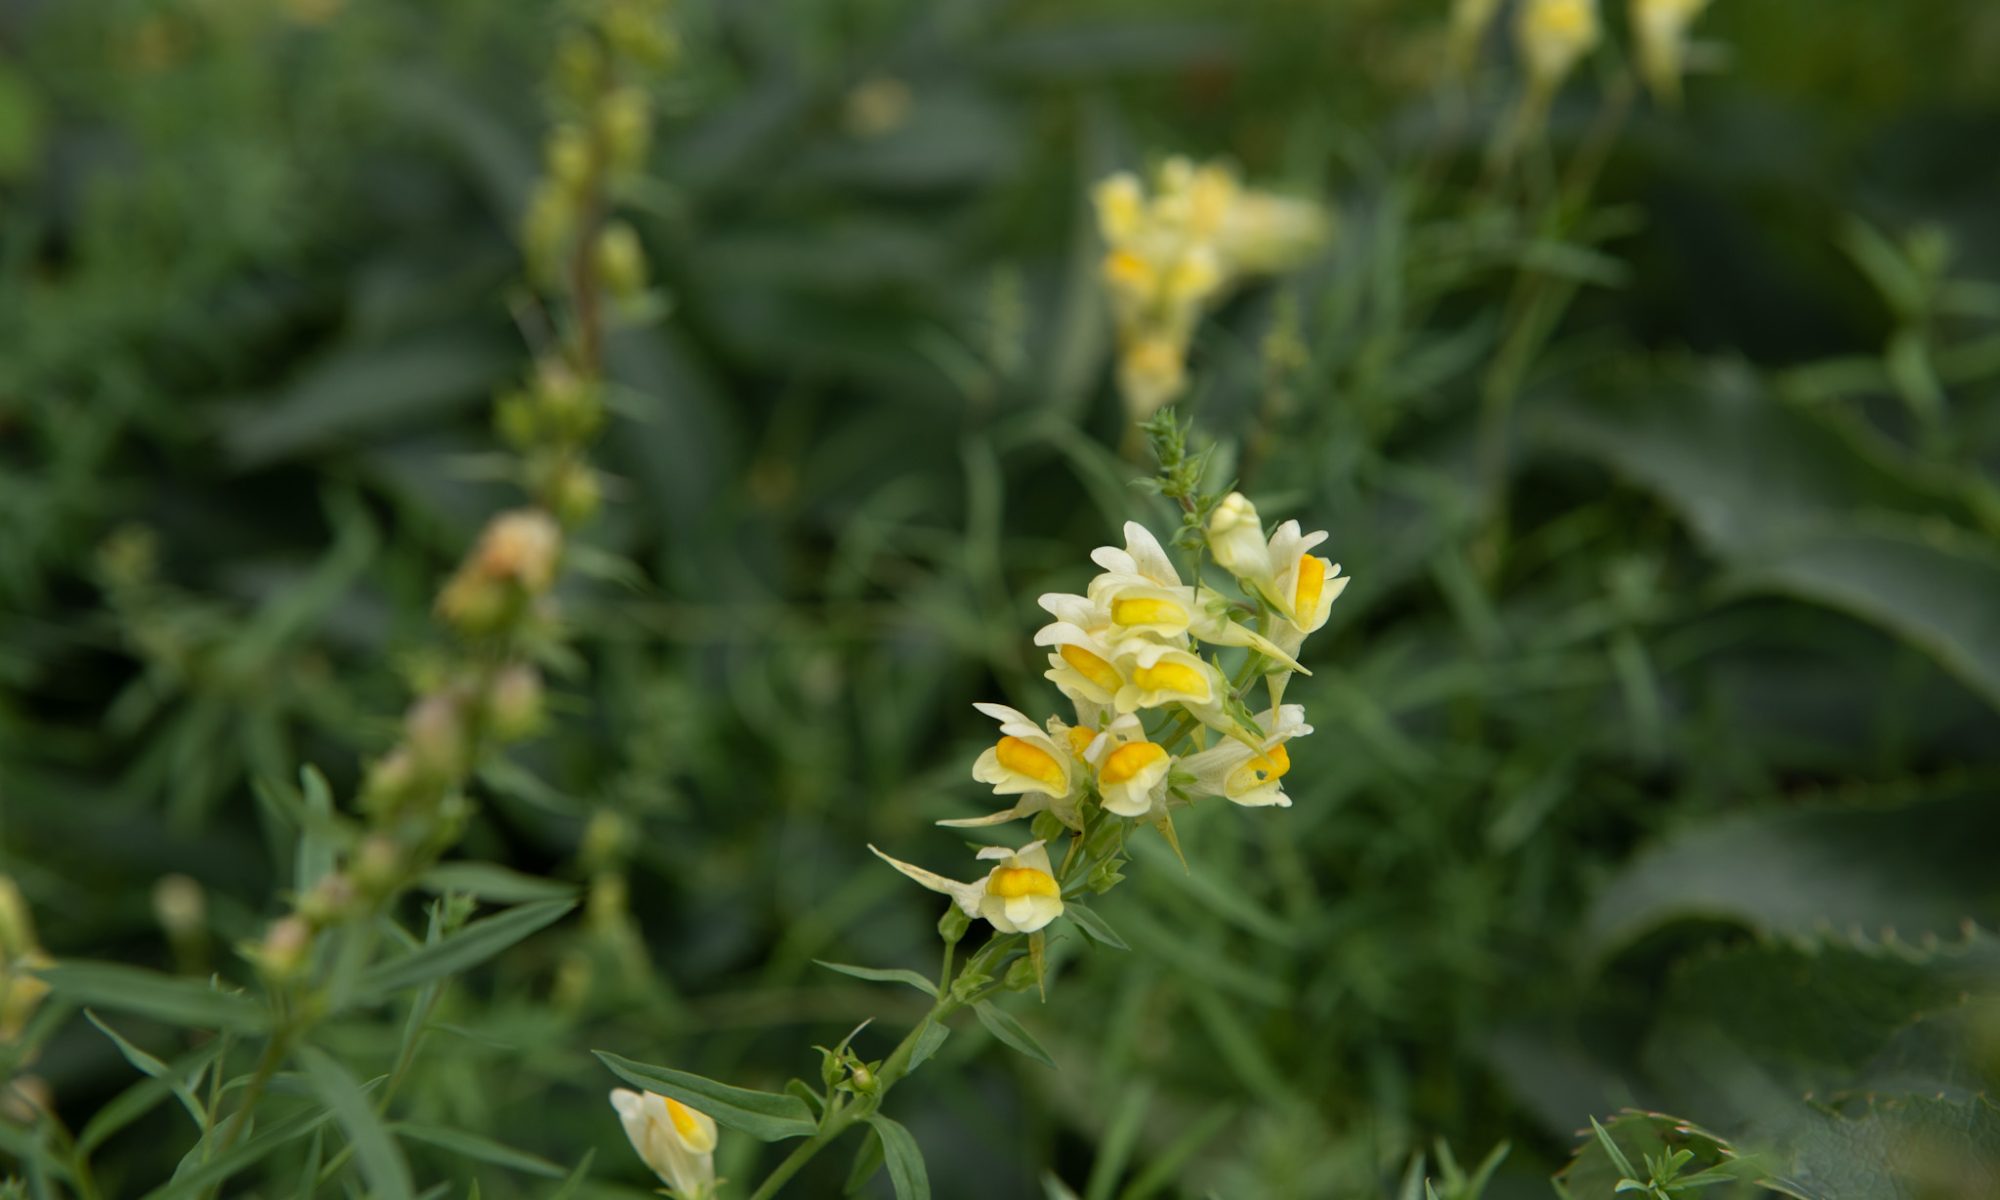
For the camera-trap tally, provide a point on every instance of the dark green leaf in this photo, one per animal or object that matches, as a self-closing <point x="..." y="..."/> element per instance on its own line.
<point x="474" y="944"/>
<point x="766" y="1116"/>
<point x="883" y="975"/>
<point x="1009" y="1031"/>
<point x="470" y="1145"/>
<point x="905" y="1160"/>
<point x="177" y="1001"/>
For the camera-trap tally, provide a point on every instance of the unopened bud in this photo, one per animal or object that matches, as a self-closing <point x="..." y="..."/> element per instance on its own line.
<point x="568" y="154"/>
<point x="574" y="492"/>
<point x="610" y="900"/>
<point x="378" y="866"/>
<point x="1236" y="538"/>
<point x="578" y="65"/>
<point x="284" y="948"/>
<point x="21" y="992"/>
<point x="437" y="737"/>
<point x="953" y="924"/>
<point x="546" y="228"/>
<point x="329" y="900"/>
<point x="391" y="783"/>
<point x="514" y="702"/>
<point x="621" y="261"/>
<point x="524" y="546"/>
<point x="24" y="1099"/>
<point x="1021" y="975"/>
<point x="180" y="906"/>
<point x="625" y="121"/>
<point x="862" y="1078"/>
<point x="17" y="928"/>
<point x="605" y="839"/>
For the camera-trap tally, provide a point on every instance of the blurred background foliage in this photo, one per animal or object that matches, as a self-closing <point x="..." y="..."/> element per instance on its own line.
<point x="1657" y="733"/>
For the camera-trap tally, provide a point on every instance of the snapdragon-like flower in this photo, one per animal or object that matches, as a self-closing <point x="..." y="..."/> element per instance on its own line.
<point x="1661" y="30"/>
<point x="1044" y="767"/>
<point x="678" y="1142"/>
<point x="1246" y="776"/>
<point x="1554" y="35"/>
<point x="1019" y="895"/>
<point x="1174" y="250"/>
<point x="1142" y="593"/>
<point x="1131" y="770"/>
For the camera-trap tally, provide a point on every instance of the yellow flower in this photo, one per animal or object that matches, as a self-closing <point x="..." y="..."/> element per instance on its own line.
<point x="1661" y="28"/>
<point x="678" y="1142"/>
<point x="1131" y="771"/>
<point x="1121" y="207"/>
<point x="1158" y="675"/>
<point x="1236" y="538"/>
<point x="1043" y="766"/>
<point x="1151" y="372"/>
<point x="1019" y="895"/>
<point x="1554" y="35"/>
<point x="1247" y="776"/>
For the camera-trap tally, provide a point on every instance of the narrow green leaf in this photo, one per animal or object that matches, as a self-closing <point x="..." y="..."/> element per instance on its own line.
<point x="199" y="1177"/>
<point x="471" y="1145"/>
<point x="576" y="1177"/>
<point x="1093" y="925"/>
<point x="883" y="975"/>
<point x="1115" y="1148"/>
<point x="905" y="1160"/>
<point x="928" y="1042"/>
<point x="494" y="883"/>
<point x="381" y="1159"/>
<point x="183" y="1002"/>
<point x="867" y="1160"/>
<point x="474" y="944"/>
<point x="766" y="1116"/>
<point x="1009" y="1031"/>
<point x="146" y="1064"/>
<point x="316" y="850"/>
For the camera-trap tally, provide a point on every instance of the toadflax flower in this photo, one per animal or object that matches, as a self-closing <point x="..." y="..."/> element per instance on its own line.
<point x="1019" y="895"/>
<point x="1247" y="776"/>
<point x="678" y="1142"/>
<point x="1554" y="35"/>
<point x="1131" y="771"/>
<point x="1661" y="29"/>
<point x="1042" y="766"/>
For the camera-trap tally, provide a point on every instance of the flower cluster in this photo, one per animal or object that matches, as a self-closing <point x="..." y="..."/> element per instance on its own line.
<point x="1173" y="252"/>
<point x="1127" y="655"/>
<point x="1553" y="36"/>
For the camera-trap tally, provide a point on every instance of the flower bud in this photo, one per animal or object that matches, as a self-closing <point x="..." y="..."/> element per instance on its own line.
<point x="24" y="1099"/>
<point x="514" y="702"/>
<point x="1236" y="538"/>
<point x="1553" y="36"/>
<point x="568" y="153"/>
<point x="953" y="924"/>
<point x="180" y="906"/>
<point x="1021" y="975"/>
<point x="574" y="492"/>
<point x="524" y="546"/>
<point x="392" y="782"/>
<point x="284" y="948"/>
<point x="17" y="928"/>
<point x="862" y="1078"/>
<point x="579" y="64"/>
<point x="377" y="866"/>
<point x="621" y="261"/>
<point x="676" y="1141"/>
<point x="609" y="902"/>
<point x="546" y="227"/>
<point x="625" y="122"/>
<point x="21" y="992"/>
<point x="329" y="900"/>
<point x="605" y="840"/>
<point x="437" y="737"/>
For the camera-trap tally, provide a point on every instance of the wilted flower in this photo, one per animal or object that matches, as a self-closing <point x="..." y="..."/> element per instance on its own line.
<point x="678" y="1142"/>
<point x="1019" y="895"/>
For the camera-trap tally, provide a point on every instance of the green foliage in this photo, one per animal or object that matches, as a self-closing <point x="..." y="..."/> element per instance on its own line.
<point x="1656" y="736"/>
